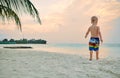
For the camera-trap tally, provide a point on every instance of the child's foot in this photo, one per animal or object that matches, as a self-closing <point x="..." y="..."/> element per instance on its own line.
<point x="97" y="58"/>
<point x="90" y="59"/>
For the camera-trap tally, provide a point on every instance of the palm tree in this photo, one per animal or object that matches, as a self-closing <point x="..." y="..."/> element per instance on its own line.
<point x="9" y="10"/>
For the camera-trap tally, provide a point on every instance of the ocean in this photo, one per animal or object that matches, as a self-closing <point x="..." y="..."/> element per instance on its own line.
<point x="106" y="50"/>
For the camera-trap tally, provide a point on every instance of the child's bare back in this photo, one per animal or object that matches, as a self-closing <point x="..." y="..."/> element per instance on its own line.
<point x="94" y="30"/>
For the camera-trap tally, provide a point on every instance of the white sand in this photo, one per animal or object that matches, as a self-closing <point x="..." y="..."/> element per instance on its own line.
<point x="38" y="64"/>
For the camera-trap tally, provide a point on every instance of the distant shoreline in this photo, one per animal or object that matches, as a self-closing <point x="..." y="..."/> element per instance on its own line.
<point x="23" y="41"/>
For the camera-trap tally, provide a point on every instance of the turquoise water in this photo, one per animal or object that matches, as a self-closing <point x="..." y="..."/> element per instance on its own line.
<point x="106" y="50"/>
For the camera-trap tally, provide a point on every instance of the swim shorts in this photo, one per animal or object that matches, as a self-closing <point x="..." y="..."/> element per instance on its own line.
<point x="94" y="44"/>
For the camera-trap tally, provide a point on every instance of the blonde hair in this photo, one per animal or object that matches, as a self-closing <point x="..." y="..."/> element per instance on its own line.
<point x="94" y="20"/>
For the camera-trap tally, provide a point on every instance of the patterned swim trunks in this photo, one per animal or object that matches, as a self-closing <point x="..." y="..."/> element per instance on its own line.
<point x="94" y="44"/>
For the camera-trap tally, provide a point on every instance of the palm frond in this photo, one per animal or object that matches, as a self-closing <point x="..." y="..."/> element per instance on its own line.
<point x="21" y="6"/>
<point x="7" y="13"/>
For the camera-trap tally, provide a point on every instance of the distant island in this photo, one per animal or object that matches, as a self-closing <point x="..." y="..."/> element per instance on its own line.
<point x="23" y="41"/>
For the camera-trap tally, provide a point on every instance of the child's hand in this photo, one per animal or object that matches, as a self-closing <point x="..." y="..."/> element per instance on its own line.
<point x="86" y="36"/>
<point x="101" y="41"/>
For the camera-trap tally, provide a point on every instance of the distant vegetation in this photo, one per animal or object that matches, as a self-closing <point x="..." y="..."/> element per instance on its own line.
<point x="23" y="41"/>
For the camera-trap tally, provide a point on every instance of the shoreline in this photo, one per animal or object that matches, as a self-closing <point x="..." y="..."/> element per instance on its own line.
<point x="18" y="47"/>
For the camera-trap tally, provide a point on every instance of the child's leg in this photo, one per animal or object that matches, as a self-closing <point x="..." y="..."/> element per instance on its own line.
<point x="91" y="52"/>
<point x="97" y="55"/>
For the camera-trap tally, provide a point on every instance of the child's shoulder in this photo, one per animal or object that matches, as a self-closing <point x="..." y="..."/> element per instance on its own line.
<point x="90" y="26"/>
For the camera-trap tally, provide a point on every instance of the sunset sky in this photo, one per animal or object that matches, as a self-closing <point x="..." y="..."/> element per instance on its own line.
<point x="66" y="21"/>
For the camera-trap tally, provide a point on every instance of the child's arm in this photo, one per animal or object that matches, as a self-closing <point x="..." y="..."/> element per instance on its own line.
<point x="87" y="32"/>
<point x="100" y="35"/>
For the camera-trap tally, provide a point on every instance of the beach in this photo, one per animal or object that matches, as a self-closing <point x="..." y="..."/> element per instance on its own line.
<point x="55" y="39"/>
<point x="42" y="64"/>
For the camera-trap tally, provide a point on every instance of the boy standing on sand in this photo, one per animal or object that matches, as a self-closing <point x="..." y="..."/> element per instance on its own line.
<point x="95" y="36"/>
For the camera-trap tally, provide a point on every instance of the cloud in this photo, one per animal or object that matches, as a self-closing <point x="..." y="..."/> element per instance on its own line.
<point x="68" y="23"/>
<point x="76" y="18"/>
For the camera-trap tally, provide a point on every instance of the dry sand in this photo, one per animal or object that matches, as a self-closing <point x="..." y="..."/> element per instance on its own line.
<point x="39" y="64"/>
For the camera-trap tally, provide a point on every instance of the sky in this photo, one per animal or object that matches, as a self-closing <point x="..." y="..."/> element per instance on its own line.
<point x="66" y="21"/>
